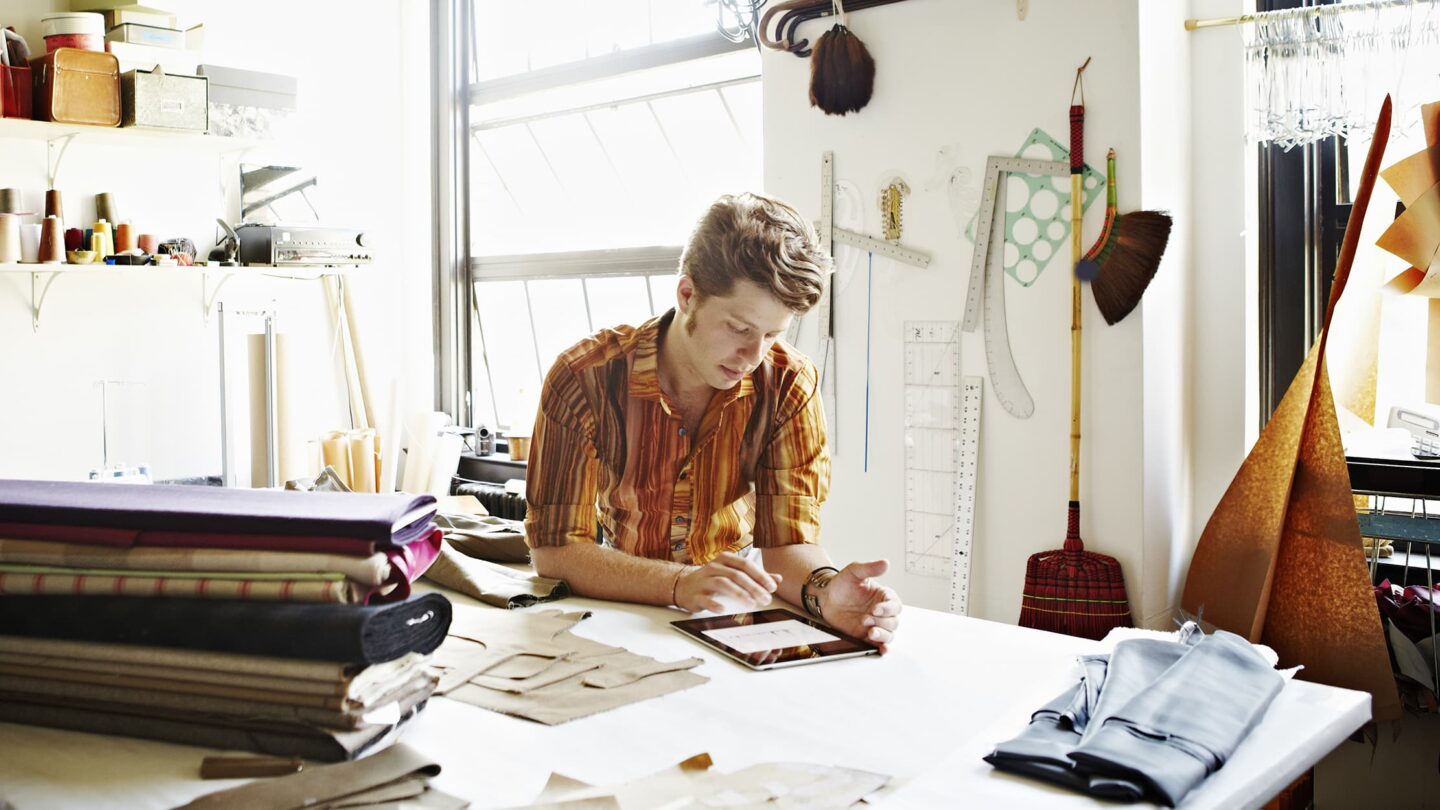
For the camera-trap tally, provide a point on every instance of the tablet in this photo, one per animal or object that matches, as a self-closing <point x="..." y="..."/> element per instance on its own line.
<point x="768" y="639"/>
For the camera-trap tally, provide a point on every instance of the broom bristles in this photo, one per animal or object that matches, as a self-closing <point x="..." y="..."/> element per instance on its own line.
<point x="842" y="72"/>
<point x="1128" y="262"/>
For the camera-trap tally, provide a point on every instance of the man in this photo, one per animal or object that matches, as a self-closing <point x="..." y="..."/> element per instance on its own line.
<point x="698" y="435"/>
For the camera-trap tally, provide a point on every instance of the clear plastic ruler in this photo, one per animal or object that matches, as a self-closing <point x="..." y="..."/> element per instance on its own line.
<point x="987" y="279"/>
<point x="828" y="363"/>
<point x="972" y="390"/>
<point x="933" y="432"/>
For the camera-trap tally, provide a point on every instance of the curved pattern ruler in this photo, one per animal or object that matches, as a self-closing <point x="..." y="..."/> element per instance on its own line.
<point x="987" y="279"/>
<point x="933" y="428"/>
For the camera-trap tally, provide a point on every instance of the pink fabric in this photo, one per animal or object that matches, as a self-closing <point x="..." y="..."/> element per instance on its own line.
<point x="407" y="564"/>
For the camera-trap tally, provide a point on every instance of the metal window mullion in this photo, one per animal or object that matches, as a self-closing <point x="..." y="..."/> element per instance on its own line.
<point x="585" y="293"/>
<point x="545" y="156"/>
<point x="484" y="351"/>
<point x="729" y="113"/>
<point x="604" y="150"/>
<point x="720" y="84"/>
<point x="668" y="144"/>
<point x="494" y="167"/>
<point x="534" y="336"/>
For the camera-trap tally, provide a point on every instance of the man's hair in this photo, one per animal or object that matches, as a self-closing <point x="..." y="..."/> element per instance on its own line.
<point x="759" y="239"/>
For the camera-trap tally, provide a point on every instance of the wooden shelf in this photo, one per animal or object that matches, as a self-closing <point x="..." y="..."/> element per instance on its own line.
<point x="212" y="278"/>
<point x="128" y="136"/>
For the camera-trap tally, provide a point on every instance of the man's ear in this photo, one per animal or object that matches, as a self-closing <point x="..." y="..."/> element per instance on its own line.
<point x="685" y="295"/>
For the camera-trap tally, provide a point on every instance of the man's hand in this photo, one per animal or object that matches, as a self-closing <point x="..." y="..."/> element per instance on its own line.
<point x="727" y="584"/>
<point x="854" y="603"/>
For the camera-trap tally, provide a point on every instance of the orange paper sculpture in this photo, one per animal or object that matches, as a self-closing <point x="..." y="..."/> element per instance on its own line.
<point x="1280" y="561"/>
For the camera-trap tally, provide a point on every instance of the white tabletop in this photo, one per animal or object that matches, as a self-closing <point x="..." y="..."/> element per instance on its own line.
<point x="950" y="689"/>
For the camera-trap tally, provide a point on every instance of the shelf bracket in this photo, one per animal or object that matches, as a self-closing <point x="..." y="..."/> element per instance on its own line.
<point x="55" y="148"/>
<point x="208" y="294"/>
<point x="38" y="293"/>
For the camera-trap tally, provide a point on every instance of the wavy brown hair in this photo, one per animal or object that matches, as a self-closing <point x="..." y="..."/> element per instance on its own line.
<point x="759" y="239"/>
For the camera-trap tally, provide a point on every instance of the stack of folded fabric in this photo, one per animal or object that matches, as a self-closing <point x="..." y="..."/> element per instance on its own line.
<point x="223" y="662"/>
<point x="212" y="543"/>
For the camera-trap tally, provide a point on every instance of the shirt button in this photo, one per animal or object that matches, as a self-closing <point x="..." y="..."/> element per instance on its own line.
<point x="684" y="475"/>
<point x="678" y="545"/>
<point x="679" y="520"/>
<point x="682" y="431"/>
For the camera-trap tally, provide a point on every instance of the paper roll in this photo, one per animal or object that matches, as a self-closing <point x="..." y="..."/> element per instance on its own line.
<point x="335" y="450"/>
<point x="444" y="461"/>
<point x="389" y="447"/>
<point x="362" y="460"/>
<point x="422" y="428"/>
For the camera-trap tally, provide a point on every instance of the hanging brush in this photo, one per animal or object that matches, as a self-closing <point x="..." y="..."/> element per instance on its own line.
<point x="842" y="74"/>
<point x="1122" y="261"/>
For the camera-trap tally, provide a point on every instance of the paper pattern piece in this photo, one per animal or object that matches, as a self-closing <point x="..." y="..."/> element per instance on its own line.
<point x="753" y="638"/>
<point x="530" y="665"/>
<point x="1280" y="560"/>
<point x="1037" y="224"/>
<point x="694" y="784"/>
<point x="1415" y="235"/>
<point x="324" y="786"/>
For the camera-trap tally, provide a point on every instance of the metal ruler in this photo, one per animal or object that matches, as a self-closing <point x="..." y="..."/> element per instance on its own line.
<point x="966" y="481"/>
<point x="827" y="303"/>
<point x="987" y="279"/>
<point x="933" y="442"/>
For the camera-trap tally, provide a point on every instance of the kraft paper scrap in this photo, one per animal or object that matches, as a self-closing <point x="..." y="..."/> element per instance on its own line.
<point x="1281" y="561"/>
<point x="1415" y="234"/>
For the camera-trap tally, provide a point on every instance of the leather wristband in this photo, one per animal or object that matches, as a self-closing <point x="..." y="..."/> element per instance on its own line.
<point x="809" y="592"/>
<point x="675" y="586"/>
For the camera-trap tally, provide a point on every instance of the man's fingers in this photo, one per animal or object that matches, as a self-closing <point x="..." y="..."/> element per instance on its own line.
<point x="865" y="570"/>
<point x="745" y="579"/>
<point x="880" y="635"/>
<point x="764" y="578"/>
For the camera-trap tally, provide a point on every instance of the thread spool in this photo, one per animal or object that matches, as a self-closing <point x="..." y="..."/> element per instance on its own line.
<point x="124" y="237"/>
<point x="30" y="242"/>
<point x="148" y="242"/>
<point x="97" y="246"/>
<point x="107" y="240"/>
<point x="74" y="239"/>
<point x="10" y="201"/>
<point x="9" y="238"/>
<point x="105" y="207"/>
<point x="52" y="241"/>
<point x="54" y="204"/>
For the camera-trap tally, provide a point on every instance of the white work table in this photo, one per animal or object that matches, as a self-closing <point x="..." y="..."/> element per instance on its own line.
<point x="950" y="688"/>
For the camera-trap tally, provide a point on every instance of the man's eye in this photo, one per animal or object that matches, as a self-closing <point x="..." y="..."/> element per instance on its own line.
<point x="739" y="330"/>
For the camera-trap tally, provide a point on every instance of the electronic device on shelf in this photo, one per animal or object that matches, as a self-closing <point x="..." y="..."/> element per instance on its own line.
<point x="300" y="245"/>
<point x="1425" y="430"/>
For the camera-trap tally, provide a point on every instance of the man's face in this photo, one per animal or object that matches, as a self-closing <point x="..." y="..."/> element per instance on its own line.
<point x="727" y="336"/>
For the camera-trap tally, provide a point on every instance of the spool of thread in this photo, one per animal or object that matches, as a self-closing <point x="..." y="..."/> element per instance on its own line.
<point x="52" y="241"/>
<point x="53" y="204"/>
<point x="148" y="242"/>
<point x="105" y="207"/>
<point x="74" y="239"/>
<point x="10" y="201"/>
<point x="107" y="243"/>
<point x="124" y="237"/>
<point x="30" y="242"/>
<point x="9" y="238"/>
<point x="97" y="246"/>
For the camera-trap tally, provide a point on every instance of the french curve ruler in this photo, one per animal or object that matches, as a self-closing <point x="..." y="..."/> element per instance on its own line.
<point x="987" y="279"/>
<point x="933" y="434"/>
<point x="966" y="481"/>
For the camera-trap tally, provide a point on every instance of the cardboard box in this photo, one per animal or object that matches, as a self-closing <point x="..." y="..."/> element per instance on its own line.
<point x="146" y="35"/>
<point x="155" y="99"/>
<point x="145" y="57"/>
<point x="76" y="86"/>
<point x="139" y="15"/>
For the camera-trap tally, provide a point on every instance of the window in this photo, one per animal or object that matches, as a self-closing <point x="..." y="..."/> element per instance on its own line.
<point x="593" y="146"/>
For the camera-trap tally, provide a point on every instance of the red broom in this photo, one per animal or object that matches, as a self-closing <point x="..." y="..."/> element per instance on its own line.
<point x="1072" y="590"/>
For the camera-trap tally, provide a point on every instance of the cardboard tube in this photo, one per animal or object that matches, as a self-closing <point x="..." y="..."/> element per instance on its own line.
<point x="444" y="460"/>
<point x="362" y="460"/>
<point x="388" y="447"/>
<point x="335" y="450"/>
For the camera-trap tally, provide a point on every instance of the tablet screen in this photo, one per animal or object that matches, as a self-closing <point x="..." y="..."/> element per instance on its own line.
<point x="772" y="638"/>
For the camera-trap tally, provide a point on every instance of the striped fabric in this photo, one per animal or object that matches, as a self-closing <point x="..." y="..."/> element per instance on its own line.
<point x="609" y="446"/>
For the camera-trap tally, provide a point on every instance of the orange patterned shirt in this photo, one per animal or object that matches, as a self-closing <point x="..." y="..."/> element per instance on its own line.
<point x="610" y="447"/>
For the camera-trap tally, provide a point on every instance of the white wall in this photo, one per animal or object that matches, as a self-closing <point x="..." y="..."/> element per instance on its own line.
<point x="970" y="75"/>
<point x="363" y="127"/>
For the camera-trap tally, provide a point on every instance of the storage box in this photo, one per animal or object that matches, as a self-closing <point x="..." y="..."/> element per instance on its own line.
<point x="153" y="98"/>
<point x="16" y="92"/>
<point x="140" y="15"/>
<point x="179" y="61"/>
<point x="146" y="35"/>
<point x="75" y="86"/>
<point x="248" y="103"/>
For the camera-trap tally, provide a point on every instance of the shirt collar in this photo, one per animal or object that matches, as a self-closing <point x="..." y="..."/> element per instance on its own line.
<point x="645" y="368"/>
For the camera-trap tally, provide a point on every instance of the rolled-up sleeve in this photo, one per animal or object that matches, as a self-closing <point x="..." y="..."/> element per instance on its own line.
<point x="562" y="479"/>
<point x="792" y="478"/>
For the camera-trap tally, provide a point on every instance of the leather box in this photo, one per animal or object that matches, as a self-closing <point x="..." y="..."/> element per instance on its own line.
<point x="154" y="98"/>
<point x="75" y="86"/>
